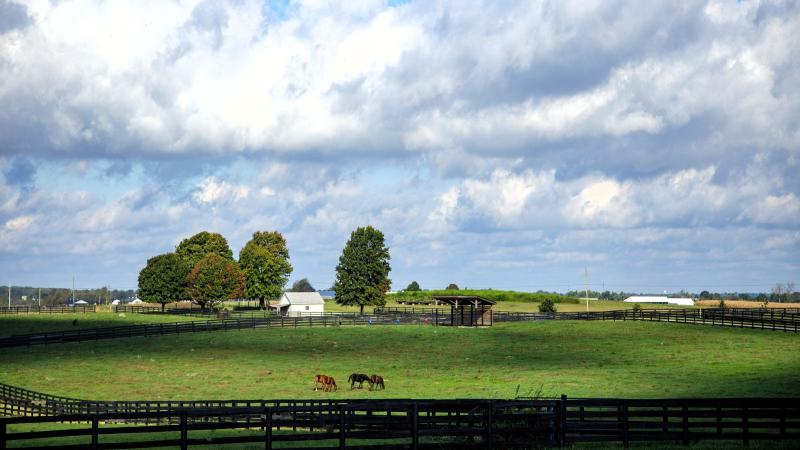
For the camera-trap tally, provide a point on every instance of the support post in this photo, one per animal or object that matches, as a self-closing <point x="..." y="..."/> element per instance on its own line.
<point x="95" y="431"/>
<point x="342" y="428"/>
<point x="184" y="431"/>
<point x="267" y="428"/>
<point x="414" y="426"/>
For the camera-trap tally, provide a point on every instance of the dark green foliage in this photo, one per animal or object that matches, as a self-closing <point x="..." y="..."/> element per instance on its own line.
<point x="548" y="305"/>
<point x="722" y="304"/>
<point x="264" y="261"/>
<point x="198" y="246"/>
<point x="637" y="308"/>
<point x="213" y="280"/>
<point x="362" y="275"/>
<point x="303" y="285"/>
<point x="452" y="287"/>
<point x="163" y="279"/>
<point x="490" y="294"/>
<point x="413" y="287"/>
<point x="705" y="295"/>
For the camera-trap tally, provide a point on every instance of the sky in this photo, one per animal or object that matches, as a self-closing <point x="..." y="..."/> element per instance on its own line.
<point x="508" y="145"/>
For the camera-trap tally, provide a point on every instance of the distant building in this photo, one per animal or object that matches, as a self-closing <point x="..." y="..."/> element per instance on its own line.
<point x="300" y="304"/>
<point x="658" y="299"/>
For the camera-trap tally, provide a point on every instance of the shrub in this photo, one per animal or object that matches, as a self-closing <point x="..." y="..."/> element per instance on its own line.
<point x="452" y="287"/>
<point x="547" y="305"/>
<point x="637" y="307"/>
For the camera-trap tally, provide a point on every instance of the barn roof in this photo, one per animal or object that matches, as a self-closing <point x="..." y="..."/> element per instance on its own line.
<point x="463" y="299"/>
<point x="301" y="298"/>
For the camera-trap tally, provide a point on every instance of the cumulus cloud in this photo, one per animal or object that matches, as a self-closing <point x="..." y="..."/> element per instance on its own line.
<point x="496" y="134"/>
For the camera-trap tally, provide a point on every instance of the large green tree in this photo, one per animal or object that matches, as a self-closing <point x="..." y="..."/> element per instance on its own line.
<point x="213" y="280"/>
<point x="362" y="275"/>
<point x="163" y="279"/>
<point x="264" y="260"/>
<point x="303" y="285"/>
<point x="195" y="248"/>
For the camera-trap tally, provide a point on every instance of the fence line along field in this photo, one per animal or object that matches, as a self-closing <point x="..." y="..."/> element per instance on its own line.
<point x="581" y="359"/>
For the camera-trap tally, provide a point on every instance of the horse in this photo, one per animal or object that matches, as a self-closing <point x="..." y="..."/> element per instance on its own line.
<point x="325" y="382"/>
<point x="376" y="382"/>
<point x="359" y="378"/>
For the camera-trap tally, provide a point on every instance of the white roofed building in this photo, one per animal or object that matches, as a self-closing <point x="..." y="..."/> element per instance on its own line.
<point x="300" y="304"/>
<point x="658" y="299"/>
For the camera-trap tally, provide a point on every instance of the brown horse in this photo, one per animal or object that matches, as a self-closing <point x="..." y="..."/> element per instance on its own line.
<point x="376" y="382"/>
<point x="325" y="382"/>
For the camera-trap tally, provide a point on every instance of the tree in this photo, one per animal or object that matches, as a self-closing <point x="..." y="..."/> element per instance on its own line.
<point x="264" y="260"/>
<point x="213" y="280"/>
<point x="362" y="275"/>
<point x="303" y="285"/>
<point x="547" y="305"/>
<point x="705" y="295"/>
<point x="163" y="279"/>
<point x="413" y="287"/>
<point x="452" y="287"/>
<point x="198" y="246"/>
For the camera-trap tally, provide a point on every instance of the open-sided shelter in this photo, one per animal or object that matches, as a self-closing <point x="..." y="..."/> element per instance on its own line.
<point x="468" y="310"/>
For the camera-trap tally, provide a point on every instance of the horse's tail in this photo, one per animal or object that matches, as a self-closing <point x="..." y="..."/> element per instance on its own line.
<point x="351" y="378"/>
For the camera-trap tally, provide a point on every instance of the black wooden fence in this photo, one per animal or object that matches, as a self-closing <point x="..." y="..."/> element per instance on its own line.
<point x="430" y="423"/>
<point x="59" y="309"/>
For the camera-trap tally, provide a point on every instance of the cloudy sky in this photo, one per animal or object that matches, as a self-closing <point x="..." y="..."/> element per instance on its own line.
<point x="496" y="144"/>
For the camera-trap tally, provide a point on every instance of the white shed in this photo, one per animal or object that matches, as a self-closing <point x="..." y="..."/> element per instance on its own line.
<point x="658" y="299"/>
<point x="300" y="304"/>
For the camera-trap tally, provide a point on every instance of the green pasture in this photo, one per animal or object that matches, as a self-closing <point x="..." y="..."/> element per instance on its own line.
<point x="514" y="306"/>
<point x="11" y="324"/>
<point x="580" y="359"/>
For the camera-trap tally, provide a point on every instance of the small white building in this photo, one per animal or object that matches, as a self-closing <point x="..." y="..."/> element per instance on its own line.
<point x="658" y="299"/>
<point x="300" y="304"/>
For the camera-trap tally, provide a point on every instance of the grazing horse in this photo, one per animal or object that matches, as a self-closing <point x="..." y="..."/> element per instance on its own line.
<point x="376" y="382"/>
<point x="359" y="378"/>
<point x="325" y="382"/>
<point x="330" y="385"/>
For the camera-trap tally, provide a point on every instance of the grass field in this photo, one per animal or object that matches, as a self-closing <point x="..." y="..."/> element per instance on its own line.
<point x="40" y="323"/>
<point x="580" y="359"/>
<point x="594" y="305"/>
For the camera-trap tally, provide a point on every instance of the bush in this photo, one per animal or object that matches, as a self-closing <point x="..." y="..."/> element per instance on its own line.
<point x="452" y="287"/>
<point x="637" y="307"/>
<point x="547" y="305"/>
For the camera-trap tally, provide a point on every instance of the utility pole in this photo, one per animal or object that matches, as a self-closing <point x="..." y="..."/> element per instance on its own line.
<point x="586" y="286"/>
<point x="40" y="297"/>
<point x="9" y="295"/>
<point x="73" y="290"/>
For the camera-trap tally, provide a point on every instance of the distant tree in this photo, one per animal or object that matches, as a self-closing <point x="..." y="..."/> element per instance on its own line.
<point x="264" y="261"/>
<point x="195" y="248"/>
<point x="213" y="280"/>
<point x="722" y="304"/>
<point x="452" y="287"/>
<point x="302" y="285"/>
<point x="705" y="295"/>
<point x="163" y="280"/>
<point x="362" y="275"/>
<point x="605" y="295"/>
<point x="413" y="287"/>
<point x="547" y="305"/>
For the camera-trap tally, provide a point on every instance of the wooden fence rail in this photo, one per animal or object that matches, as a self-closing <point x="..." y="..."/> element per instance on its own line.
<point x="408" y="423"/>
<point x="61" y="309"/>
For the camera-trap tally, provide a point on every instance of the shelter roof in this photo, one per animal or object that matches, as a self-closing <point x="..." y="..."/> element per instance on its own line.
<point x="456" y="300"/>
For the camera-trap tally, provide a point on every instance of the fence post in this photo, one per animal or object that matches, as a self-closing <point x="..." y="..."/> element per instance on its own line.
<point x="685" y="432"/>
<point x="267" y="428"/>
<point x="624" y="413"/>
<point x="342" y="428"/>
<point x="562" y="419"/>
<point x="414" y="426"/>
<point x="184" y="431"/>
<point x="490" y="424"/>
<point x="745" y="426"/>
<point x="2" y="434"/>
<point x="95" y="431"/>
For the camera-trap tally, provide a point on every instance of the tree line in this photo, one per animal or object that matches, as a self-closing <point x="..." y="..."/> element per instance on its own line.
<point x="29" y="295"/>
<point x="202" y="269"/>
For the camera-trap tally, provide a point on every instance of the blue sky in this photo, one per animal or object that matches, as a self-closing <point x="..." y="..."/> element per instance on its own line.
<point x="496" y="144"/>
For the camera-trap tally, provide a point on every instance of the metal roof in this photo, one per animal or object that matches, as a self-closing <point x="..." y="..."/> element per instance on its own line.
<point x="462" y="299"/>
<point x="301" y="298"/>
